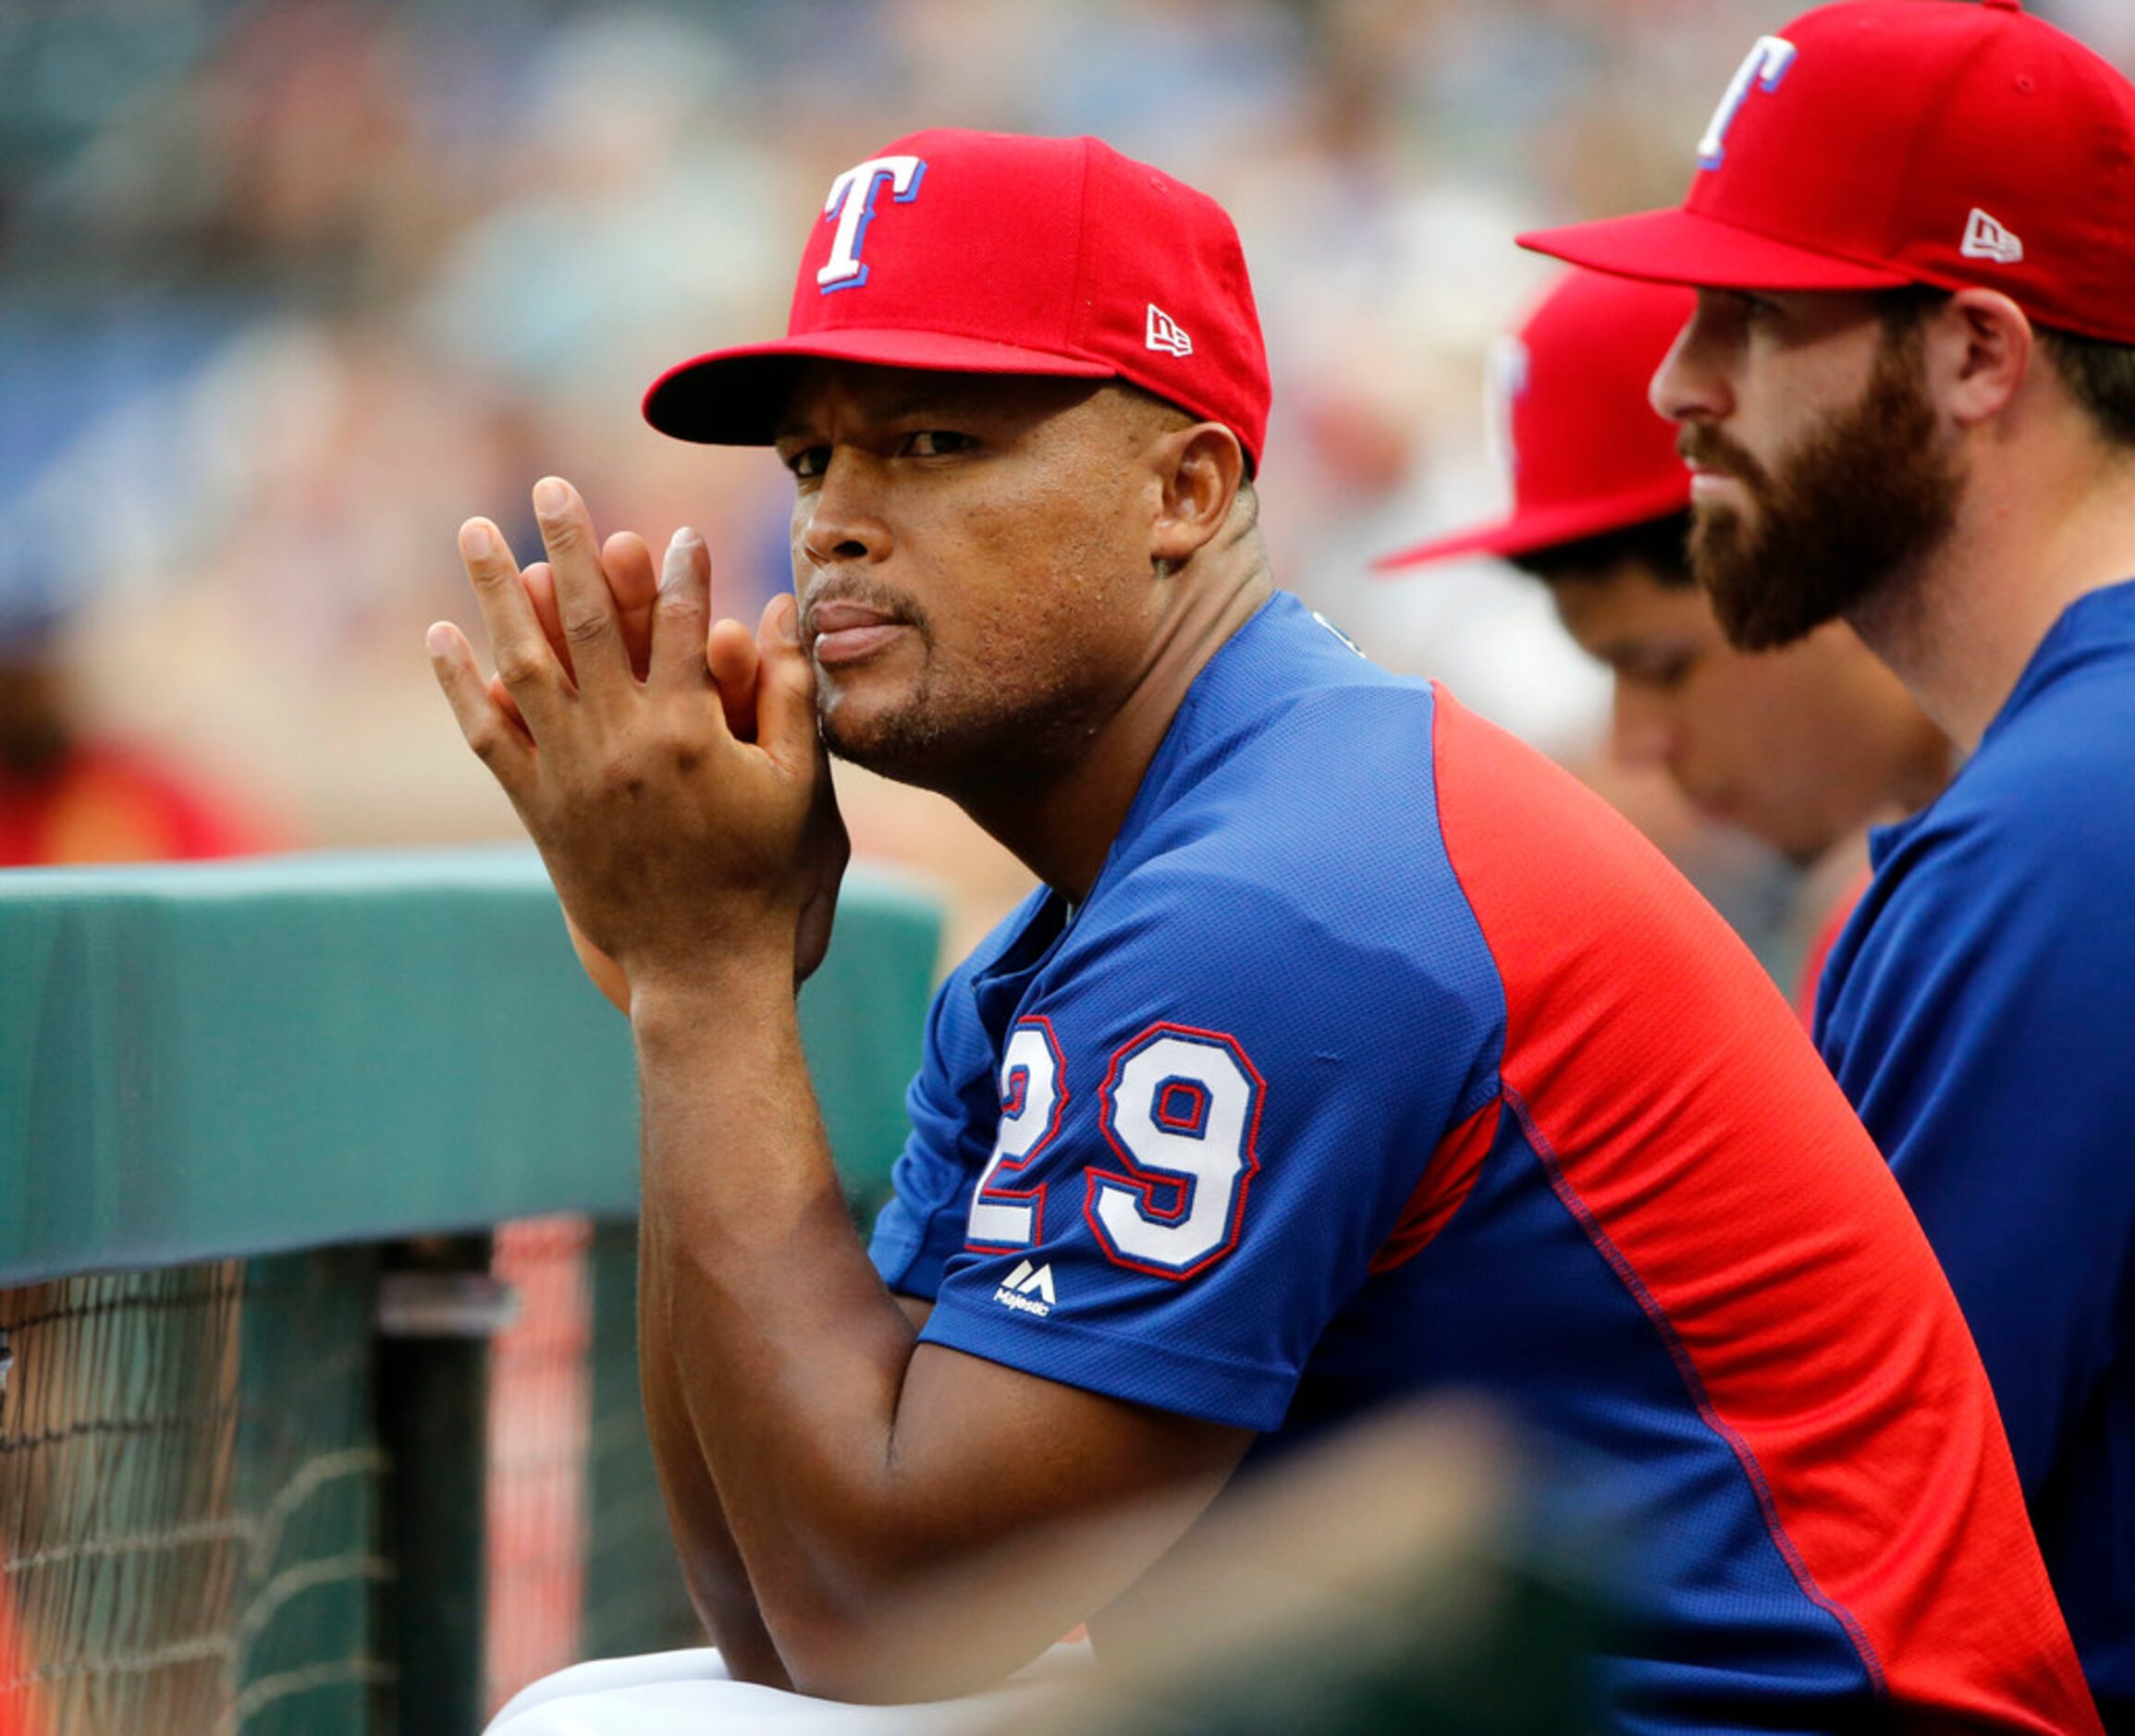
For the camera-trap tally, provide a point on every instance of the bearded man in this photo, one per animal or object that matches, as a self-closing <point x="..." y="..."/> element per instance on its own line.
<point x="1908" y="399"/>
<point x="1803" y="748"/>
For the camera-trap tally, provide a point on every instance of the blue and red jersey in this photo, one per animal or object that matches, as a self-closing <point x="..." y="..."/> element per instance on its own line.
<point x="1383" y="1058"/>
<point x="1979" y="1011"/>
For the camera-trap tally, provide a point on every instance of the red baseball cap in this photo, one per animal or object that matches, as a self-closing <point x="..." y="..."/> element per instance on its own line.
<point x="1881" y="142"/>
<point x="976" y="252"/>
<point x="1587" y="451"/>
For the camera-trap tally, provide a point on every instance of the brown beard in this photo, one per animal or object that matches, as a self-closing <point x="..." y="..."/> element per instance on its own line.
<point x="1862" y="499"/>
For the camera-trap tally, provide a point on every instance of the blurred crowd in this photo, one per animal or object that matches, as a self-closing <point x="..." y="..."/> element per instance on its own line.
<point x="289" y="287"/>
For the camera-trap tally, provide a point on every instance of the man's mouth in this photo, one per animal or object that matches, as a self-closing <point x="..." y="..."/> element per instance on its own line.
<point x="843" y="632"/>
<point x="1711" y="805"/>
<point x="1714" y="467"/>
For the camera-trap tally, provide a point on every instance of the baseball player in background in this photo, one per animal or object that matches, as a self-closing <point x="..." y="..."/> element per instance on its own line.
<point x="1348" y="1051"/>
<point x="1908" y="395"/>
<point x="1801" y="748"/>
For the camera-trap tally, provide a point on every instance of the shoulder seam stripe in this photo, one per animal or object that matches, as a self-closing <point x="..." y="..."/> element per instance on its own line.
<point x="1568" y="1196"/>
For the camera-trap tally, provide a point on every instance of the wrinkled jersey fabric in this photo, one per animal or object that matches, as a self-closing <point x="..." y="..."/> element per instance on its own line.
<point x="1382" y="1059"/>
<point x="1980" y="1012"/>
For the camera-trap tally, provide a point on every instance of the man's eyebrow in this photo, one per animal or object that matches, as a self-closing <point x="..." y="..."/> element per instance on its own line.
<point x="946" y="401"/>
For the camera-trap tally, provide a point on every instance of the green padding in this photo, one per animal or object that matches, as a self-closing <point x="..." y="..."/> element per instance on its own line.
<point x="237" y="1058"/>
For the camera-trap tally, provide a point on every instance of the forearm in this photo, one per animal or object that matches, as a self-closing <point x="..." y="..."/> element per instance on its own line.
<point x="865" y="1476"/>
<point x="711" y="1560"/>
<point x="787" y="1353"/>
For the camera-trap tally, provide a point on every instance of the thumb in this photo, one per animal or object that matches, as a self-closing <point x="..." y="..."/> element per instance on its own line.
<point x="785" y="688"/>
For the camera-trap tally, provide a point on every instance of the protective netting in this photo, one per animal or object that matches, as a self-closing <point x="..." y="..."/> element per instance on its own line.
<point x="635" y="1600"/>
<point x="195" y="1528"/>
<point x="539" y="1398"/>
<point x="189" y="1501"/>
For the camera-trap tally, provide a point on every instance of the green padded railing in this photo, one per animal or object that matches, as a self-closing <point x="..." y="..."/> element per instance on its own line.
<point x="241" y="1058"/>
<point x="225" y="1500"/>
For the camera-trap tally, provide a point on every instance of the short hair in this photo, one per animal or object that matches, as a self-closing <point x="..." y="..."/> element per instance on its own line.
<point x="2099" y="372"/>
<point x="1660" y="545"/>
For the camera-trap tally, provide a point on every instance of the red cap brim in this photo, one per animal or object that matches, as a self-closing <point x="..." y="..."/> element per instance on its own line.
<point x="1530" y="531"/>
<point x="733" y="397"/>
<point x="1687" y="247"/>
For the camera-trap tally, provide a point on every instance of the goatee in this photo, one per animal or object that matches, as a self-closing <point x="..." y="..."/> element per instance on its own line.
<point x="1859" y="502"/>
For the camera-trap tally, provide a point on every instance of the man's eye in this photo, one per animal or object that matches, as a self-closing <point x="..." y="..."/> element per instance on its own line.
<point x="806" y="462"/>
<point x="1662" y="674"/>
<point x="936" y="443"/>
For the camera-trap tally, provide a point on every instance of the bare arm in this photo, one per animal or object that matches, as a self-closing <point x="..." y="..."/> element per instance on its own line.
<point x="712" y="1565"/>
<point x="850" y="1464"/>
<point x="854" y="1464"/>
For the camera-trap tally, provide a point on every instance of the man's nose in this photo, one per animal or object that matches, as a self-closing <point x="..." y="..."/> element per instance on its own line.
<point x="1690" y="384"/>
<point x="1640" y="733"/>
<point x="842" y="518"/>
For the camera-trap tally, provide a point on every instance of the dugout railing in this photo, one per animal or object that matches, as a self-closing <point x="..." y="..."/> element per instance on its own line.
<point x="318" y="1401"/>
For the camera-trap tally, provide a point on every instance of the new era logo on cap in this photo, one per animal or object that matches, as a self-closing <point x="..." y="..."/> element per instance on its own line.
<point x="972" y="253"/>
<point x="1165" y="332"/>
<point x="1985" y="239"/>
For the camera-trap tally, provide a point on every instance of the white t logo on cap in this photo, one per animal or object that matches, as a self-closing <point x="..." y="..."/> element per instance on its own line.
<point x="1761" y="69"/>
<point x="852" y="201"/>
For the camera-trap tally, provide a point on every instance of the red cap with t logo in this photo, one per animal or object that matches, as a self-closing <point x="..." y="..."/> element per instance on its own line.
<point x="1587" y="453"/>
<point x="972" y="253"/>
<point x="1881" y="142"/>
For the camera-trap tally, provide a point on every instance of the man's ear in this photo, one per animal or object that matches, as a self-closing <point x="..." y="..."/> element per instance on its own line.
<point x="1200" y="470"/>
<point x="1979" y="350"/>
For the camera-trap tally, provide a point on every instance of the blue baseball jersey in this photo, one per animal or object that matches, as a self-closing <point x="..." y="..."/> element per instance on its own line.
<point x="1979" y="1011"/>
<point x="1383" y="1058"/>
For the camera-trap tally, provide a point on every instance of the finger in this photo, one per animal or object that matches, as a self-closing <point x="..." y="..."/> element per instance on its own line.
<point x="785" y="689"/>
<point x="736" y="664"/>
<point x="634" y="582"/>
<point x="677" y="663"/>
<point x="501" y="696"/>
<point x="540" y="582"/>
<point x="633" y="579"/>
<point x="498" y="743"/>
<point x="592" y="632"/>
<point x="525" y="663"/>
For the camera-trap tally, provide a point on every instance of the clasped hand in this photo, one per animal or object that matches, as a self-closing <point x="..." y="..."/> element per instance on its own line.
<point x="669" y="768"/>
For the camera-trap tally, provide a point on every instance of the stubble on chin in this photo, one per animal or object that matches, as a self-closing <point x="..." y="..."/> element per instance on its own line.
<point x="899" y="744"/>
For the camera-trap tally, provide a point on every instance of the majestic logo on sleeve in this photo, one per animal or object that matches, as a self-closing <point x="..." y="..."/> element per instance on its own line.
<point x="1761" y="69"/>
<point x="851" y="202"/>
<point x="1985" y="239"/>
<point x="1028" y="1290"/>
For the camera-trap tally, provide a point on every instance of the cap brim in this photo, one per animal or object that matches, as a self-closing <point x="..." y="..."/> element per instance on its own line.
<point x="1532" y="531"/>
<point x="1687" y="247"/>
<point x="733" y="397"/>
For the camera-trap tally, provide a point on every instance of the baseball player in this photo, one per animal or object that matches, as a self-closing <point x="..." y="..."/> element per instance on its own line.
<point x="1348" y="1051"/>
<point x="1801" y="748"/>
<point x="1907" y="395"/>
